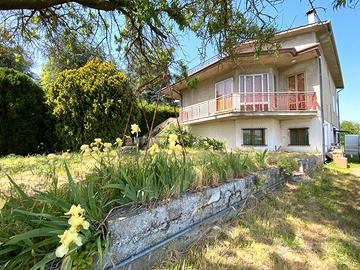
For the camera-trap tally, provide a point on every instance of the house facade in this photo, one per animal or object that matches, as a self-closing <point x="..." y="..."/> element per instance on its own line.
<point x="286" y="100"/>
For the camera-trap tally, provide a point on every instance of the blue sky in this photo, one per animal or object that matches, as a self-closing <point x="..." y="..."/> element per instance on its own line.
<point x="346" y="27"/>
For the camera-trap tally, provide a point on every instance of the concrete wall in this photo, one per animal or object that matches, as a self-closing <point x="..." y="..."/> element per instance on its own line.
<point x="139" y="235"/>
<point x="222" y="130"/>
<point x="299" y="40"/>
<point x="272" y="132"/>
<point x="329" y="98"/>
<point x="315" y="135"/>
<point x="310" y="70"/>
<point x="277" y="132"/>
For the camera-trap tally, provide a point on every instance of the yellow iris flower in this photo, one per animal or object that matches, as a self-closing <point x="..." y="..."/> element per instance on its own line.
<point x="2" y="203"/>
<point x="71" y="235"/>
<point x="173" y="138"/>
<point x="135" y="129"/>
<point x="68" y="237"/>
<point x="154" y="149"/>
<point x="76" y="222"/>
<point x="119" y="142"/>
<point x="174" y="148"/>
<point x="75" y="211"/>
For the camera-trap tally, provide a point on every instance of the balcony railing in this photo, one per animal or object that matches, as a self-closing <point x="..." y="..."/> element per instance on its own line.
<point x="251" y="102"/>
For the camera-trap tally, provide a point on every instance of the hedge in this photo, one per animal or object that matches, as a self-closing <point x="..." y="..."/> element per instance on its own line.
<point x="21" y="113"/>
<point x="163" y="112"/>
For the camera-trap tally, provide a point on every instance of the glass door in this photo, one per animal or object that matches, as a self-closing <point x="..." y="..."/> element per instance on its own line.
<point x="254" y="92"/>
<point x="296" y="83"/>
<point x="223" y="94"/>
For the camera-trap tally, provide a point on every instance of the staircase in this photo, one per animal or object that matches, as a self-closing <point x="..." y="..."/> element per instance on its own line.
<point x="156" y="130"/>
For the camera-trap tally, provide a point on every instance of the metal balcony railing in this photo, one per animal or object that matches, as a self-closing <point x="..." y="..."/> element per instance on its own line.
<point x="251" y="102"/>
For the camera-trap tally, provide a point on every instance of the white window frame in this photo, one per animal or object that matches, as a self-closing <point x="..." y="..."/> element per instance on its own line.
<point x="231" y="79"/>
<point x="253" y="75"/>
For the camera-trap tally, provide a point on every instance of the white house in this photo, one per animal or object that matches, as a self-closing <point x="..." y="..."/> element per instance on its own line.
<point x="286" y="101"/>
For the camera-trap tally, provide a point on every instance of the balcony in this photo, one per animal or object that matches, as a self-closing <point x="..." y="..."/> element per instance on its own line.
<point x="249" y="103"/>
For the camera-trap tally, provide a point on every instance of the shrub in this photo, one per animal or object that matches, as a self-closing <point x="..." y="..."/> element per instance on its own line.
<point x="210" y="144"/>
<point x="261" y="158"/>
<point x="287" y="165"/>
<point x="186" y="137"/>
<point x="189" y="140"/>
<point x="89" y="102"/>
<point x="21" y="113"/>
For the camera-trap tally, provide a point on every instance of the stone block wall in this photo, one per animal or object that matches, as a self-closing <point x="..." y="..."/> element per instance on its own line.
<point x="140" y="235"/>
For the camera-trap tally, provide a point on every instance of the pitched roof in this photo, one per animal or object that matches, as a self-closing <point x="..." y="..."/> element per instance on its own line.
<point x="326" y="46"/>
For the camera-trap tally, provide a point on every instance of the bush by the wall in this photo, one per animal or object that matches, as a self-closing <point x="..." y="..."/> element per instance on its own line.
<point x="189" y="140"/>
<point x="21" y="113"/>
<point x="287" y="165"/>
<point x="90" y="102"/>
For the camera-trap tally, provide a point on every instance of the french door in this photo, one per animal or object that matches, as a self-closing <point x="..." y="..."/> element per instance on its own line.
<point x="254" y="92"/>
<point x="296" y="83"/>
<point x="223" y="94"/>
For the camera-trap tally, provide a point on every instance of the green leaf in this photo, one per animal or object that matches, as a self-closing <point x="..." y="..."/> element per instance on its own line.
<point x="66" y="263"/>
<point x="91" y="199"/>
<point x="7" y="250"/>
<point x="46" y="242"/>
<point x="74" y="190"/>
<point x="112" y="186"/>
<point x="41" y="264"/>
<point x="100" y="252"/>
<point x="53" y="200"/>
<point x="42" y="232"/>
<point x="18" y="189"/>
<point x="28" y="213"/>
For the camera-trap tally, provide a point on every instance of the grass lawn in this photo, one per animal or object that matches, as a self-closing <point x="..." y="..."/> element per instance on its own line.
<point x="312" y="226"/>
<point x="36" y="172"/>
<point x="39" y="171"/>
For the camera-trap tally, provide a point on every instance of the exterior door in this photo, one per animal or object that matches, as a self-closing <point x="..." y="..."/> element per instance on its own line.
<point x="254" y="92"/>
<point x="296" y="83"/>
<point x="223" y="94"/>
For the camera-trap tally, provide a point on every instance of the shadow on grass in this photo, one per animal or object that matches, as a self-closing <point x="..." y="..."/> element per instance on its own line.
<point x="333" y="199"/>
<point x="290" y="229"/>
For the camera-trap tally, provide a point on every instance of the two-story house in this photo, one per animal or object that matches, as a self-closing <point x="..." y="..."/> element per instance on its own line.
<point x="287" y="100"/>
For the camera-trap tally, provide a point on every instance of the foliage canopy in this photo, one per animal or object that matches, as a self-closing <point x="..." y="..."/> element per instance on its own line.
<point x="21" y="113"/>
<point x="351" y="127"/>
<point x="90" y="102"/>
<point x="67" y="52"/>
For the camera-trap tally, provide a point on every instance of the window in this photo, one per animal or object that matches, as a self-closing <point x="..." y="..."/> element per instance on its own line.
<point x="254" y="83"/>
<point x="223" y="91"/>
<point x="296" y="82"/>
<point x="299" y="136"/>
<point x="253" y="89"/>
<point x="254" y="136"/>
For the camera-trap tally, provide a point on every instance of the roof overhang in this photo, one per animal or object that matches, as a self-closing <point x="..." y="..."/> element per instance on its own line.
<point x="245" y="56"/>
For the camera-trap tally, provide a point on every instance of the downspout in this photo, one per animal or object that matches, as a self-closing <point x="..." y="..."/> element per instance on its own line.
<point x="338" y="111"/>
<point x="322" y="107"/>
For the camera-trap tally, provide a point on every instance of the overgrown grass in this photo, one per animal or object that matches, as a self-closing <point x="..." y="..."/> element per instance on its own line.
<point x="36" y="172"/>
<point x="311" y="226"/>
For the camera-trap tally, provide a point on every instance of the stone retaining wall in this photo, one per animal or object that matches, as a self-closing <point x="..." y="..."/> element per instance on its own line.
<point x="139" y="235"/>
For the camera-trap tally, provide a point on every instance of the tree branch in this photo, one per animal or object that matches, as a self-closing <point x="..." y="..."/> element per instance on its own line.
<point x="42" y="4"/>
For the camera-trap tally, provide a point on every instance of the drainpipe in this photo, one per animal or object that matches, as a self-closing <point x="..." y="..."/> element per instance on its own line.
<point x="322" y="107"/>
<point x="338" y="111"/>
